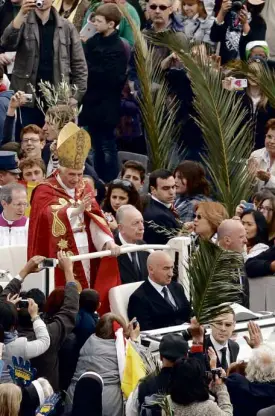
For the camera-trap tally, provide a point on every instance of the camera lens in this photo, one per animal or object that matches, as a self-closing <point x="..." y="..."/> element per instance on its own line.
<point x="237" y="5"/>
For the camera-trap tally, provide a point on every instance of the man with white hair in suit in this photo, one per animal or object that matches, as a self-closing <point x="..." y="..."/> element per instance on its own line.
<point x="132" y="266"/>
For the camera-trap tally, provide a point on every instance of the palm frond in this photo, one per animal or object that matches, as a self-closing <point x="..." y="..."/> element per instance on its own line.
<point x="158" y="111"/>
<point x="220" y="117"/>
<point x="214" y="275"/>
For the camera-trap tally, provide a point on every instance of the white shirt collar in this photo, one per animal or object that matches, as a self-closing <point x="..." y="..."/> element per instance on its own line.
<point x="70" y="192"/>
<point x="122" y="239"/>
<point x="163" y="203"/>
<point x="158" y="287"/>
<point x="217" y="345"/>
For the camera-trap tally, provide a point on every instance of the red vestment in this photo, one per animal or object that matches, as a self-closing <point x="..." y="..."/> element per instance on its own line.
<point x="50" y="230"/>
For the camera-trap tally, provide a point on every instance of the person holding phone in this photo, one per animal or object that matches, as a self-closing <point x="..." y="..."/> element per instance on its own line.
<point x="235" y="26"/>
<point x="20" y="346"/>
<point x="47" y="48"/>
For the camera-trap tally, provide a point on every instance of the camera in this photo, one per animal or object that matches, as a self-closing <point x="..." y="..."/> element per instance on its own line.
<point x="48" y="263"/>
<point x="237" y="5"/>
<point x="28" y="98"/>
<point x="39" y="4"/>
<point x="211" y="375"/>
<point x="24" y="303"/>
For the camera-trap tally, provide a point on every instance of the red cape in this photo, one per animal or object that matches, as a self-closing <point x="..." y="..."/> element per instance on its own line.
<point x="50" y="231"/>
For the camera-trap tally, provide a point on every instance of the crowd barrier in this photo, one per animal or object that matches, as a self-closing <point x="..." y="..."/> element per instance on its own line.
<point x="13" y="259"/>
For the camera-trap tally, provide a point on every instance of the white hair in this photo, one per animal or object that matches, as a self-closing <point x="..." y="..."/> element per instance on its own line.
<point x="122" y="210"/>
<point x="261" y="366"/>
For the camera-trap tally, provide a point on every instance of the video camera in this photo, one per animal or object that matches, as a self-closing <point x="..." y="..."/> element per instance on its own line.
<point x="237" y="5"/>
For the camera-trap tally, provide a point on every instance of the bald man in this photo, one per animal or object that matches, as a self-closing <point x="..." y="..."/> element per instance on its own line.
<point x="159" y="302"/>
<point x="132" y="266"/>
<point x="232" y="236"/>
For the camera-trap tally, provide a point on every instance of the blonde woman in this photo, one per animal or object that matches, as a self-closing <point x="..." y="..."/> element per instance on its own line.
<point x="208" y="216"/>
<point x="10" y="399"/>
<point x="254" y="102"/>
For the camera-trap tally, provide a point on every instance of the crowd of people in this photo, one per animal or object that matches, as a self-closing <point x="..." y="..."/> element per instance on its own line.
<point x="70" y="100"/>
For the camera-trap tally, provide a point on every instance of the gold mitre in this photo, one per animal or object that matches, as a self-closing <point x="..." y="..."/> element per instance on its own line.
<point x="73" y="145"/>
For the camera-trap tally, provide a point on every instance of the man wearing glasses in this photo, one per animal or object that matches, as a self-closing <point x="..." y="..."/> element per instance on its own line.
<point x="13" y="222"/>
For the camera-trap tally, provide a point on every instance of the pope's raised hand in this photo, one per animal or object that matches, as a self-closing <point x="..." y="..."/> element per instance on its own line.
<point x="86" y="202"/>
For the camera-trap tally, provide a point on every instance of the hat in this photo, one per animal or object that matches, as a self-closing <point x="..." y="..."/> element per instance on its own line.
<point x="73" y="145"/>
<point x="256" y="2"/>
<point x="173" y="346"/>
<point x="9" y="162"/>
<point x="251" y="45"/>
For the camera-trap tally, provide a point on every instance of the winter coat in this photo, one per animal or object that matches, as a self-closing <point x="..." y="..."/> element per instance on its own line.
<point x="69" y="59"/>
<point x="198" y="29"/>
<point x="107" y="66"/>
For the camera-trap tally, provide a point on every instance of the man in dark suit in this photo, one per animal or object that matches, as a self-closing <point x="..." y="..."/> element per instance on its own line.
<point x="232" y="237"/>
<point x="132" y="266"/>
<point x="159" y="208"/>
<point x="159" y="302"/>
<point x="221" y="331"/>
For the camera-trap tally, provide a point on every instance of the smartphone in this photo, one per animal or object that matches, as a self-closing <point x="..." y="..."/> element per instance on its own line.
<point x="88" y="30"/>
<point x="238" y="84"/>
<point x="248" y="206"/>
<point x="24" y="303"/>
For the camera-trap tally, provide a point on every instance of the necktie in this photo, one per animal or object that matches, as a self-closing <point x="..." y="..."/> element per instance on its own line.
<point x="224" y="362"/>
<point x="174" y="210"/>
<point x="135" y="266"/>
<point x="166" y="298"/>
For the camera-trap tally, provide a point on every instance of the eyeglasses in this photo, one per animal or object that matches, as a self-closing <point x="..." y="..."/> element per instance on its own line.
<point x="162" y="7"/>
<point x="31" y="139"/>
<point x="262" y="208"/>
<point x="123" y="182"/>
<point x="21" y="204"/>
<point x="269" y="137"/>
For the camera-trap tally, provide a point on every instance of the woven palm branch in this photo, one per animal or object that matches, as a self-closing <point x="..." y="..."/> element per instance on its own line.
<point x="219" y="115"/>
<point x="214" y="275"/>
<point x="158" y="111"/>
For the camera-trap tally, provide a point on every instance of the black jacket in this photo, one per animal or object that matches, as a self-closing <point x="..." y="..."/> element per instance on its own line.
<point x="152" y="311"/>
<point x="6" y="16"/>
<point x="232" y="346"/>
<point x="259" y="118"/>
<point x="259" y="266"/>
<point x="126" y="270"/>
<point x="247" y="397"/>
<point x="107" y="66"/>
<point x="161" y="215"/>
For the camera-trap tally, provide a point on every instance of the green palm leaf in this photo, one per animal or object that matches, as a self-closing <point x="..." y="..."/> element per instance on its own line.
<point x="157" y="111"/>
<point x="213" y="274"/>
<point x="228" y="140"/>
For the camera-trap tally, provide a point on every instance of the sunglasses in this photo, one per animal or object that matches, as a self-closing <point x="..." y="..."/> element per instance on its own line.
<point x="127" y="184"/>
<point x="162" y="7"/>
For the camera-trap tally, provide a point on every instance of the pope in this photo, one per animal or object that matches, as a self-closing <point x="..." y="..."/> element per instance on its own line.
<point x="65" y="216"/>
